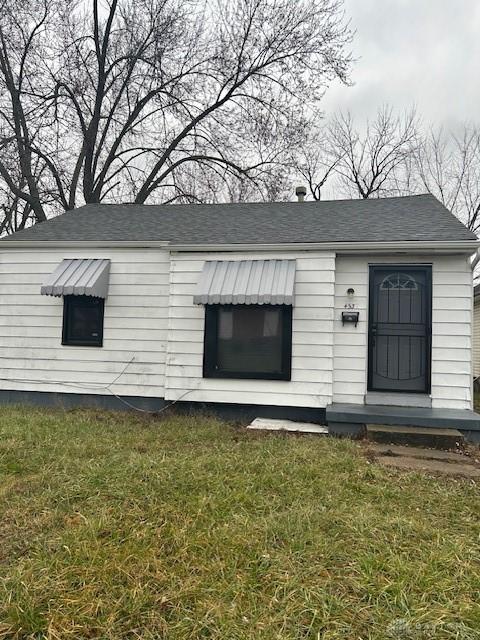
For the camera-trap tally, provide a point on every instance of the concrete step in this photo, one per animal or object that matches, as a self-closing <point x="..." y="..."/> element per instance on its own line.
<point x="430" y="466"/>
<point x="460" y="457"/>
<point x="428" y="437"/>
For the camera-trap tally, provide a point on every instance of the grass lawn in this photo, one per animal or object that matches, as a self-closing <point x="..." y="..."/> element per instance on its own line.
<point x="118" y="526"/>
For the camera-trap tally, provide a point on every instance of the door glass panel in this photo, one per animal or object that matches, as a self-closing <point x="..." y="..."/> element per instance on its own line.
<point x="398" y="281"/>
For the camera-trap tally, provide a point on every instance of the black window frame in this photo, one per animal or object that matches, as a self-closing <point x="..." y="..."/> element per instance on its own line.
<point x="68" y="306"/>
<point x="210" y="345"/>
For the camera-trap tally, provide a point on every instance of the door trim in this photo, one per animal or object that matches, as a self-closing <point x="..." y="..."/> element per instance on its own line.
<point x="427" y="268"/>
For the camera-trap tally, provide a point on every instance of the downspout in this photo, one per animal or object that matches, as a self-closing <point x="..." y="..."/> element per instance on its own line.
<point x="475" y="260"/>
<point x="473" y="264"/>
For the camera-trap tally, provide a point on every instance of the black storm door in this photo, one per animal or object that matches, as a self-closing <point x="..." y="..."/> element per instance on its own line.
<point x="399" y="330"/>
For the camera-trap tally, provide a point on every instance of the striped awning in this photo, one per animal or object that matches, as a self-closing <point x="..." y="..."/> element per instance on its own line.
<point x="79" y="277"/>
<point x="246" y="282"/>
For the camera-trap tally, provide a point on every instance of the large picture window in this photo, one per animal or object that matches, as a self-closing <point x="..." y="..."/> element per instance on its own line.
<point x="83" y="321"/>
<point x="248" y="341"/>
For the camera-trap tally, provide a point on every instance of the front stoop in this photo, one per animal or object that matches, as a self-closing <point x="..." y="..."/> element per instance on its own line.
<point x="351" y="419"/>
<point x="448" y="439"/>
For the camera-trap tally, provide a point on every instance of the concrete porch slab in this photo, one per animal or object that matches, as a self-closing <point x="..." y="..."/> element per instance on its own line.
<point x="461" y="419"/>
<point x="398" y="399"/>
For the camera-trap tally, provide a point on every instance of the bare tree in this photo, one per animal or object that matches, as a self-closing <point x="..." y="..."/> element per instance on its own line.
<point x="393" y="156"/>
<point x="316" y="161"/>
<point x="23" y="30"/>
<point x="131" y="99"/>
<point x="448" y="165"/>
<point x="368" y="163"/>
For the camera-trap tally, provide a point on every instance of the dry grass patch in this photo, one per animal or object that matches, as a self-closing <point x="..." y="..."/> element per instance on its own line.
<point x="116" y="526"/>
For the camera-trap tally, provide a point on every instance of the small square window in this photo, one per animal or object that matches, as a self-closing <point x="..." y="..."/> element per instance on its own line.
<point x="248" y="341"/>
<point x="83" y="321"/>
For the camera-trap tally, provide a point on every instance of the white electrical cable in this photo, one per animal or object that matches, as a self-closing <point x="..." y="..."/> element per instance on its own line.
<point x="107" y="387"/>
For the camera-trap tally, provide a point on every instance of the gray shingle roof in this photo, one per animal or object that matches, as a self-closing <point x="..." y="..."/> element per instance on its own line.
<point x="415" y="218"/>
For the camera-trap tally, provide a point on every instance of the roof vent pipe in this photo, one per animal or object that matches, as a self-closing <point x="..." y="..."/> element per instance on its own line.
<point x="301" y="192"/>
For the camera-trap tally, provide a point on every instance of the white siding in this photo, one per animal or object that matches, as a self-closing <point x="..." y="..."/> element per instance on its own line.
<point x="151" y="323"/>
<point x="476" y="339"/>
<point x="451" y="329"/>
<point x="312" y="342"/>
<point x="136" y="314"/>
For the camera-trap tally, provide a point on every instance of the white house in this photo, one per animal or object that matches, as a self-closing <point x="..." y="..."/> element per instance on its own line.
<point x="326" y="311"/>
<point x="476" y="334"/>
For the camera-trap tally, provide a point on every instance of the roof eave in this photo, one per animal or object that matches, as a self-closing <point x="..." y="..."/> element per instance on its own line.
<point x="410" y="246"/>
<point x="74" y="244"/>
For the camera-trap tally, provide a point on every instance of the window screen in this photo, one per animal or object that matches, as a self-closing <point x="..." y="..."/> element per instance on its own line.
<point x="248" y="341"/>
<point x="83" y="321"/>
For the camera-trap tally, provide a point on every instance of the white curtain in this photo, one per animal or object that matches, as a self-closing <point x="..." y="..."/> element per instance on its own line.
<point x="225" y="325"/>
<point x="270" y="325"/>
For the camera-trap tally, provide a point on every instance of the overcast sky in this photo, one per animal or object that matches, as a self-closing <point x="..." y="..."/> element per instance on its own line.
<point x="422" y="52"/>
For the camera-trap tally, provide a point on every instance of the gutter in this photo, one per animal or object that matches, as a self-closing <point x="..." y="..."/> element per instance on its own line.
<point x="84" y="244"/>
<point x="458" y="246"/>
<point x="455" y="246"/>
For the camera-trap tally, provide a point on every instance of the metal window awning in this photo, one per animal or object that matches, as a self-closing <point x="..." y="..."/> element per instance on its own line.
<point x="246" y="282"/>
<point x="78" y="277"/>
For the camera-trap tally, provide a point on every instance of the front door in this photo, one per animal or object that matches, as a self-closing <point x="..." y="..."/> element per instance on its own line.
<point x="399" y="335"/>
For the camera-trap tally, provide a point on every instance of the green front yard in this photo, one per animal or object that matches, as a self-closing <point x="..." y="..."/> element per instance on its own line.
<point x="121" y="526"/>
